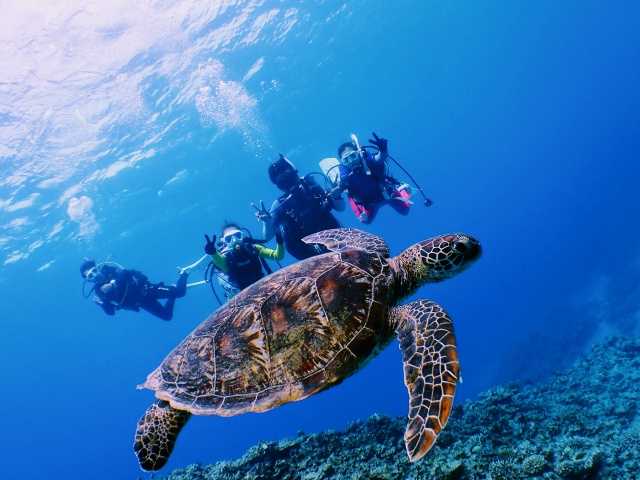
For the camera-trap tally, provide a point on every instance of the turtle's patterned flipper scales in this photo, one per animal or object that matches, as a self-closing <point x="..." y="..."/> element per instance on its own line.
<point x="156" y="434"/>
<point x="342" y="239"/>
<point x="431" y="371"/>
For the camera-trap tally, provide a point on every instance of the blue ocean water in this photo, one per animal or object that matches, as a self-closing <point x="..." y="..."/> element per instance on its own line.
<point x="127" y="132"/>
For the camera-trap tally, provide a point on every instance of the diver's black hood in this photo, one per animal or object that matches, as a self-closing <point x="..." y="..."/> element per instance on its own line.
<point x="86" y="264"/>
<point x="280" y="166"/>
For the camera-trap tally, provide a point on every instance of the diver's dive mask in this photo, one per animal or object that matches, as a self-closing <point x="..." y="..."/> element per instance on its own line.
<point x="286" y="180"/>
<point x="91" y="274"/>
<point x="230" y="240"/>
<point x="351" y="158"/>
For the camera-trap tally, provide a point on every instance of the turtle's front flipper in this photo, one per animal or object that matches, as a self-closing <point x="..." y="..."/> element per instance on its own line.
<point x="431" y="370"/>
<point x="342" y="239"/>
<point x="156" y="434"/>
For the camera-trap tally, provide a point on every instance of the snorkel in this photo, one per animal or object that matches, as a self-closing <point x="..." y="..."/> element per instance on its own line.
<point x="355" y="141"/>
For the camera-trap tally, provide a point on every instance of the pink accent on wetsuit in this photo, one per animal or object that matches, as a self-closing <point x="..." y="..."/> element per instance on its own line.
<point x="400" y="202"/>
<point x="361" y="212"/>
<point x="404" y="196"/>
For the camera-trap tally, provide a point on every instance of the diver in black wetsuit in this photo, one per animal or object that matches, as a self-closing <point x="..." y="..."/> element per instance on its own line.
<point x="116" y="288"/>
<point x="304" y="208"/>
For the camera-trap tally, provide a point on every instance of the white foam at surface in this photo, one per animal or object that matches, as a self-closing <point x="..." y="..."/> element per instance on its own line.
<point x="74" y="72"/>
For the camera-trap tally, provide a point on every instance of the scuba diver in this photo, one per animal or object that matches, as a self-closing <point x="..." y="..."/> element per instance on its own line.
<point x="303" y="208"/>
<point x="363" y="175"/>
<point x="116" y="288"/>
<point x="239" y="259"/>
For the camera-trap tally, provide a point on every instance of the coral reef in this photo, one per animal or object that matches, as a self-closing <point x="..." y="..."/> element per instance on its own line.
<point x="580" y="424"/>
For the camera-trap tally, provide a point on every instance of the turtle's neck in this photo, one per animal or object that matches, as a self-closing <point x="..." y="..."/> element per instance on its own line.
<point x="409" y="272"/>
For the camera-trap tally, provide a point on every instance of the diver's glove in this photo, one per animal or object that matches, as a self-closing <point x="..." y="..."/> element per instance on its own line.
<point x="210" y="246"/>
<point x="107" y="287"/>
<point x="380" y="143"/>
<point x="261" y="213"/>
<point x="279" y="239"/>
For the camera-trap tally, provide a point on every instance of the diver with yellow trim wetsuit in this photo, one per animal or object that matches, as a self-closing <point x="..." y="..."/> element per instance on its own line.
<point x="239" y="259"/>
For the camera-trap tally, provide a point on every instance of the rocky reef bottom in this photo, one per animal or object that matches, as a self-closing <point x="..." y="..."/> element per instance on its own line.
<point x="583" y="423"/>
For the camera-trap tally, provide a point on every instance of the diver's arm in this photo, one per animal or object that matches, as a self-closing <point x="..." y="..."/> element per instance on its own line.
<point x="382" y="144"/>
<point x="108" y="287"/>
<point x="380" y="157"/>
<point x="220" y="262"/>
<point x="195" y="264"/>
<point x="265" y="217"/>
<point x="105" y="293"/>
<point x="271" y="253"/>
<point x="376" y="163"/>
<point x="268" y="228"/>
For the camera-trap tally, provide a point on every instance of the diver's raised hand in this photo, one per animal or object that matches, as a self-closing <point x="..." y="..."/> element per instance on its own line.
<point x="380" y="143"/>
<point x="210" y="246"/>
<point x="262" y="214"/>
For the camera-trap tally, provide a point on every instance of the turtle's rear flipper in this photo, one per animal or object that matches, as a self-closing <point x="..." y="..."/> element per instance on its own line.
<point x="156" y="434"/>
<point x="431" y="371"/>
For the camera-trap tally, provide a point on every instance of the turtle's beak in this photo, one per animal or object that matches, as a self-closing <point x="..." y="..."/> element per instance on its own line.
<point x="469" y="247"/>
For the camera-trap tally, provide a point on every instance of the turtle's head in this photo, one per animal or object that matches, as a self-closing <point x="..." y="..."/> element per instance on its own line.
<point x="435" y="259"/>
<point x="443" y="257"/>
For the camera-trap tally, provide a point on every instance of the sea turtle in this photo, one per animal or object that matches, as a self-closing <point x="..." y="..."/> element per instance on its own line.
<point x="306" y="328"/>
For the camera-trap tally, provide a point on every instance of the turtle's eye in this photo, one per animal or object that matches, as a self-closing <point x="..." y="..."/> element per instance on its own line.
<point x="460" y="247"/>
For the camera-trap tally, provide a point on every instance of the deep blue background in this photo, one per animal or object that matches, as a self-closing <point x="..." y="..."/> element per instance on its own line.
<point x="519" y="118"/>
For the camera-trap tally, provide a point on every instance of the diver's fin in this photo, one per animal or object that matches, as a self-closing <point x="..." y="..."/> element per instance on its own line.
<point x="431" y="371"/>
<point x="156" y="434"/>
<point x="342" y="239"/>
